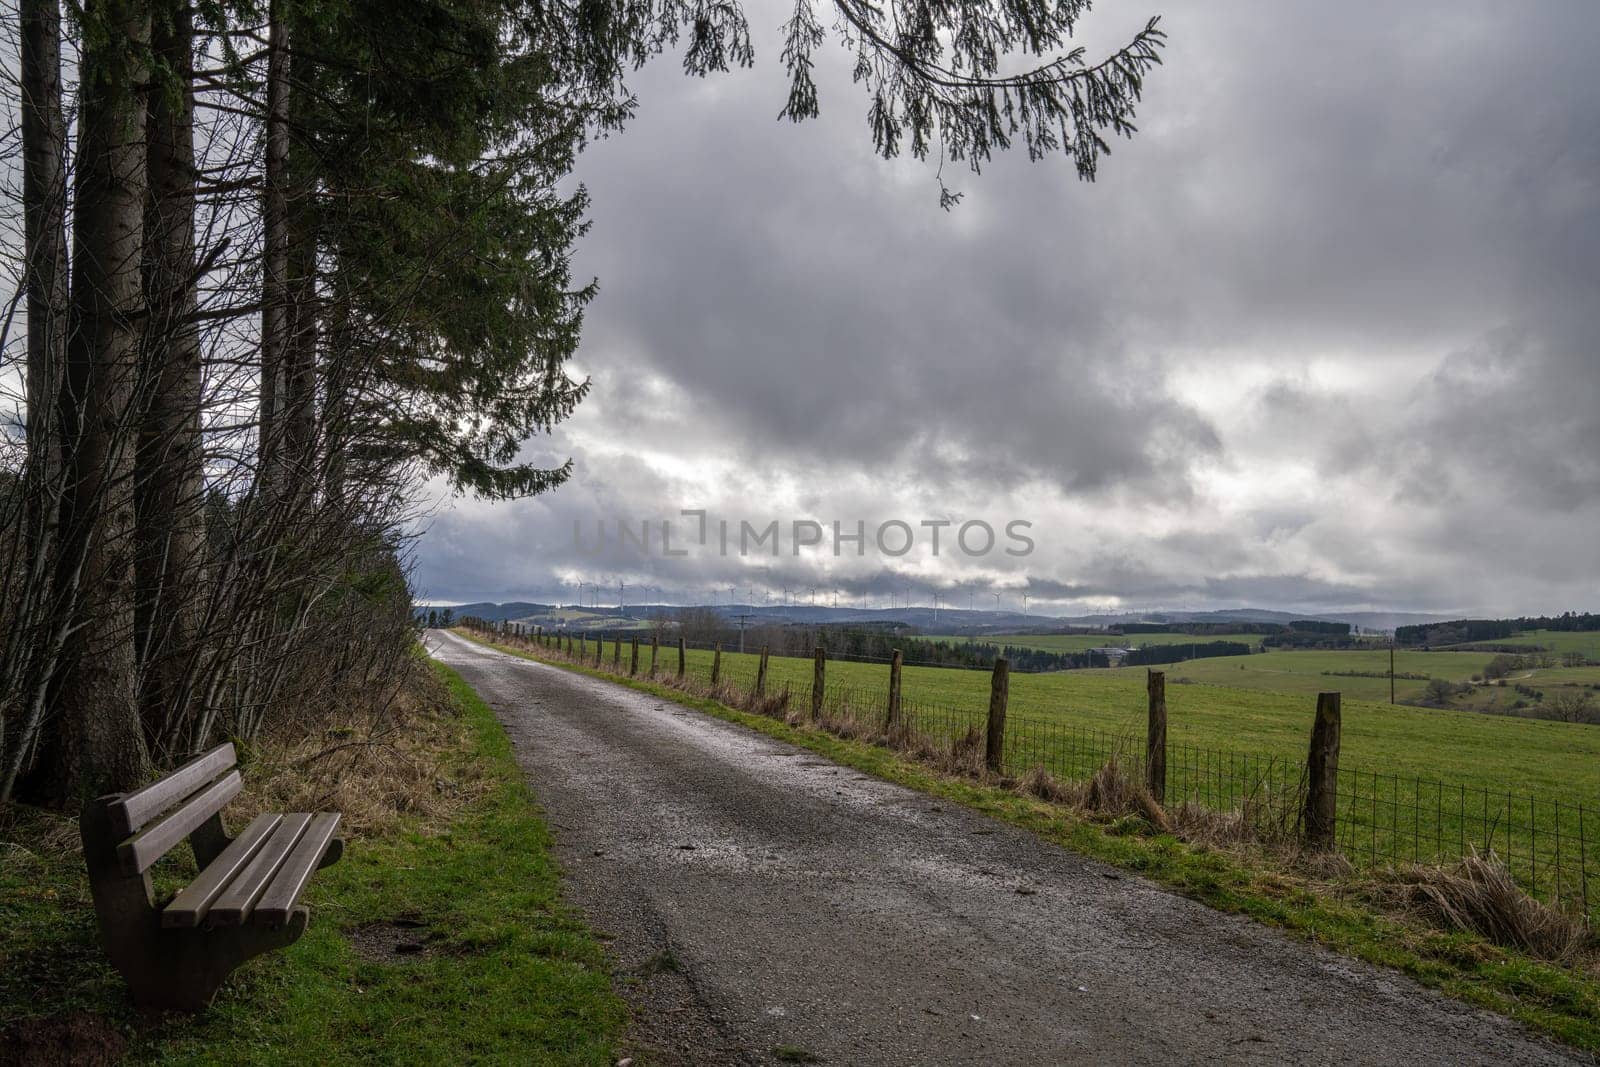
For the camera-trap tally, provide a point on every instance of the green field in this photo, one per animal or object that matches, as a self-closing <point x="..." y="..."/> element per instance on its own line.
<point x="1557" y="641"/>
<point x="1306" y="672"/>
<point x="1526" y="756"/>
<point x="1084" y="642"/>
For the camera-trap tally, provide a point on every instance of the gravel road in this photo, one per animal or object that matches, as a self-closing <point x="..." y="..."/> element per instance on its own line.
<point x="765" y="905"/>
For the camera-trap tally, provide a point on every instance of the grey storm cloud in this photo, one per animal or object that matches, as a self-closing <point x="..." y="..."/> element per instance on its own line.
<point x="1322" y="335"/>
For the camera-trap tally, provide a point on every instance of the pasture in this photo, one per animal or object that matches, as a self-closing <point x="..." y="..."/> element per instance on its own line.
<point x="1556" y="641"/>
<point x="1084" y="642"/>
<point x="1307" y="672"/>
<point x="1553" y="759"/>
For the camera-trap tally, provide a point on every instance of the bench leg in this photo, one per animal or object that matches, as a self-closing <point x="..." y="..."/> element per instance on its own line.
<point x="183" y="969"/>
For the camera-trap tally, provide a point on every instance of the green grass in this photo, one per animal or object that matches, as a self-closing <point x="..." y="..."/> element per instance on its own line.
<point x="512" y="975"/>
<point x="1556" y="641"/>
<point x="1083" y="642"/>
<point x="1477" y="750"/>
<point x="1562" y="1002"/>
<point x="1306" y="673"/>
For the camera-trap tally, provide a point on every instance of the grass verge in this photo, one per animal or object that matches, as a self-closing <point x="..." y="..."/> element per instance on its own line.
<point x="1563" y="1002"/>
<point x="434" y="940"/>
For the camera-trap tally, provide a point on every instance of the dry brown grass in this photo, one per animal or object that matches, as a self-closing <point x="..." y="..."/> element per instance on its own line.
<point x="1258" y="822"/>
<point x="772" y="705"/>
<point x="400" y="758"/>
<point x="1113" y="792"/>
<point x="1480" y="895"/>
<point x="29" y="835"/>
<point x="1040" y="783"/>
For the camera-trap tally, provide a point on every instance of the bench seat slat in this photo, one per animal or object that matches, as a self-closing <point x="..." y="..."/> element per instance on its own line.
<point x="278" y="901"/>
<point x="131" y="811"/>
<point x="140" y="851"/>
<point x="188" y="909"/>
<point x="233" y="907"/>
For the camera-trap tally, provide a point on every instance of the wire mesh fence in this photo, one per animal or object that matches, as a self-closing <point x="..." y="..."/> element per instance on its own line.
<point x="1382" y="819"/>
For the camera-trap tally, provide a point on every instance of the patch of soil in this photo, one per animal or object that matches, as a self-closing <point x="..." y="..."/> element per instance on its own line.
<point x="80" y="1038"/>
<point x="397" y="941"/>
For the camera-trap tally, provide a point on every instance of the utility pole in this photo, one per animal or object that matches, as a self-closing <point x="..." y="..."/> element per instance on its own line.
<point x="743" y="618"/>
<point x="1391" y="670"/>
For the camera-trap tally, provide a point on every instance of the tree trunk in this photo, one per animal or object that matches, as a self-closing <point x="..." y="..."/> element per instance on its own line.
<point x="37" y="615"/>
<point x="298" y="408"/>
<point x="170" y="488"/>
<point x="44" y="205"/>
<point x="276" y="322"/>
<point x="102" y="745"/>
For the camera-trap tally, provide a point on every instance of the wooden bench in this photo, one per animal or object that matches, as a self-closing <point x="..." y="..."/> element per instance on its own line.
<point x="243" y="902"/>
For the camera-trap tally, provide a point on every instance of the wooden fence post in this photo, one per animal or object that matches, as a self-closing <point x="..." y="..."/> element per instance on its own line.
<point x="1322" y="776"/>
<point x="680" y="658"/>
<point x="819" y="671"/>
<point x="633" y="661"/>
<point x="1155" y="738"/>
<point x="569" y="644"/>
<point x="599" y="649"/>
<point x="655" y="649"/>
<point x="761" y="674"/>
<point x="892" y="719"/>
<point x="716" y="663"/>
<point x="994" y="742"/>
<point x="583" y="647"/>
<point x="616" y="653"/>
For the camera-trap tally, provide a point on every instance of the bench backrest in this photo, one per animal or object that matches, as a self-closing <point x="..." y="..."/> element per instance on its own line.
<point x="153" y="820"/>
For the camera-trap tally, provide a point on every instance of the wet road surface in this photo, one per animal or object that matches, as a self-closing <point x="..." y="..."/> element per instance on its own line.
<point x="764" y="905"/>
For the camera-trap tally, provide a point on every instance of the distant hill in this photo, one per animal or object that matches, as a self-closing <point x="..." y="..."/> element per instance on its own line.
<point x="493" y="612"/>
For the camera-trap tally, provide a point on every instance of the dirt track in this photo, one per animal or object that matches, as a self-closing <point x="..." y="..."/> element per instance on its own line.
<point x="765" y="903"/>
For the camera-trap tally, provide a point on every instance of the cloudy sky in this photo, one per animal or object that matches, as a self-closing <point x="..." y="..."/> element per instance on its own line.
<point x="1325" y="335"/>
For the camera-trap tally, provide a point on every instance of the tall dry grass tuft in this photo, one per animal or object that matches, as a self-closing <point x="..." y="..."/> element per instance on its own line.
<point x="376" y="766"/>
<point x="965" y="754"/>
<point x="771" y="705"/>
<point x="1112" y="791"/>
<point x="1040" y="783"/>
<point x="1259" y="820"/>
<point x="1480" y="895"/>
